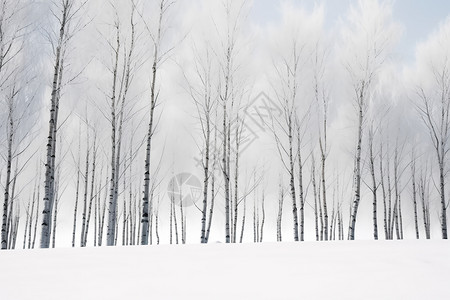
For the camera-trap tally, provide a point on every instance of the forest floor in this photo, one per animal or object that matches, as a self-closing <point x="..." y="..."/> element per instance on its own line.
<point x="407" y="269"/>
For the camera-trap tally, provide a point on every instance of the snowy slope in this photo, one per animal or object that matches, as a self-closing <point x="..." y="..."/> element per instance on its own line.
<point x="310" y="270"/>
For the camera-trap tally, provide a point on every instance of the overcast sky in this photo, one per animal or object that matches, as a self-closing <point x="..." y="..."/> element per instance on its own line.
<point x="418" y="17"/>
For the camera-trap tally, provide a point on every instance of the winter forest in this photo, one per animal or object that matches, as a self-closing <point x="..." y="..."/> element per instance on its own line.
<point x="170" y="122"/>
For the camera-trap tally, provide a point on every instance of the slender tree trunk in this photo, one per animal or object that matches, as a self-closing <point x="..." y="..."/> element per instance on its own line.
<point x="236" y="180"/>
<point x="423" y="187"/>
<point x="12" y="215"/>
<point x="255" y="218"/>
<point x="263" y="210"/>
<point x="292" y="180"/>
<point x="213" y="192"/>
<point x="175" y="221"/>
<point x="183" y="241"/>
<point x="383" y="189"/>
<point x="76" y="200"/>
<point x="357" y="172"/>
<point x="374" y="184"/>
<point x="30" y="224"/>
<point x="55" y="212"/>
<point x="319" y="187"/>
<point x="7" y="198"/>
<point x="243" y="219"/>
<point x="301" y="193"/>
<point x="85" y="197"/>
<point x="324" y="191"/>
<point x="102" y="218"/>
<point x="226" y="176"/>
<point x="205" y="181"/>
<point x="53" y="124"/>
<point x="112" y="206"/>
<point x="316" y="213"/>
<point x="442" y="190"/>
<point x="27" y="220"/>
<point x="96" y="210"/>
<point x="171" y="222"/>
<point x="397" y="203"/>
<point x="341" y="225"/>
<point x="153" y="101"/>
<point x="37" y="213"/>
<point x="93" y="193"/>
<point x="157" y="223"/>
<point x="414" y="191"/>
<point x="280" y="211"/>
<point x="400" y="217"/>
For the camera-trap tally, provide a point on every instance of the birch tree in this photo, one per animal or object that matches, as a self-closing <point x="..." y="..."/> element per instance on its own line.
<point x="227" y="54"/>
<point x="123" y="71"/>
<point x="424" y="192"/>
<point x="298" y="34"/>
<point x="66" y="12"/>
<point x="281" y="191"/>
<point x="374" y="184"/>
<point x="368" y="37"/>
<point x="202" y="93"/>
<point x="13" y="82"/>
<point x="414" y="191"/>
<point x="158" y="58"/>
<point x="434" y="105"/>
<point x="322" y="101"/>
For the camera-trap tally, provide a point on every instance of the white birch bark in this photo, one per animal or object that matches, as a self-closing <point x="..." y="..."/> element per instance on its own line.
<point x="164" y="5"/>
<point x="66" y="9"/>
<point x="112" y="205"/>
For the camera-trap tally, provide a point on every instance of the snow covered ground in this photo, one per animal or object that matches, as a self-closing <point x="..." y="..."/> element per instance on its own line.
<point x="309" y="270"/>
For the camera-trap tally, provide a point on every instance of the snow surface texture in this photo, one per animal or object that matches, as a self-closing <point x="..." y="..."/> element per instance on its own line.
<point x="308" y="270"/>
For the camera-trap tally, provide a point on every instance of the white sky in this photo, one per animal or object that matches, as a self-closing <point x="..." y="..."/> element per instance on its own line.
<point x="418" y="17"/>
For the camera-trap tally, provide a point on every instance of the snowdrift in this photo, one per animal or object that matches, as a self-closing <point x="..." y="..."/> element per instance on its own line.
<point x="308" y="270"/>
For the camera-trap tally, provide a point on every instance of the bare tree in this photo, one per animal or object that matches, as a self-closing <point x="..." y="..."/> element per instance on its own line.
<point x="434" y="109"/>
<point x="7" y="204"/>
<point x="213" y="186"/>
<point x="92" y="190"/>
<point x="322" y="101"/>
<point x="263" y="218"/>
<point x="300" y="179"/>
<point x="383" y="189"/>
<point x="316" y="197"/>
<point x="78" y="166"/>
<point x="122" y="77"/>
<point x="414" y="191"/>
<point x="227" y="73"/>
<point x="374" y="185"/>
<point x="286" y="124"/>
<point x="280" y="210"/>
<point x="202" y="94"/>
<point x="68" y="11"/>
<point x="86" y="191"/>
<point x="424" y="191"/>
<point x="14" y="70"/>
<point x="367" y="43"/>
<point x="158" y="58"/>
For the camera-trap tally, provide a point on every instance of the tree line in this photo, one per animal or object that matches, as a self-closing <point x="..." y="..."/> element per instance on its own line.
<point x="112" y="175"/>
